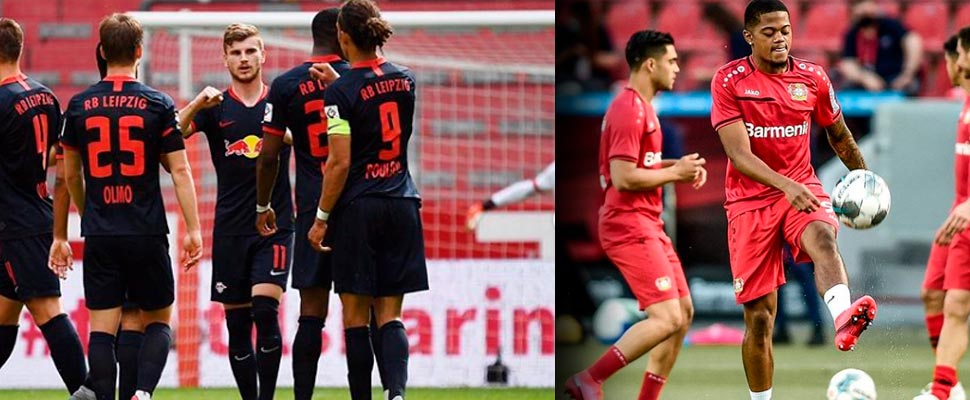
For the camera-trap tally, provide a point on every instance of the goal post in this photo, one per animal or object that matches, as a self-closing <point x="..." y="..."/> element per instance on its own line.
<point x="484" y="119"/>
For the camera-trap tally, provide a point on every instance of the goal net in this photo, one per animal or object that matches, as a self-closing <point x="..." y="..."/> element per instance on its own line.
<point x="484" y="120"/>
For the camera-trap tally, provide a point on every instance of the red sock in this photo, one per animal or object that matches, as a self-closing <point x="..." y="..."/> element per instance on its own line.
<point x="943" y="380"/>
<point x="934" y="324"/>
<point x="652" y="385"/>
<point x="610" y="362"/>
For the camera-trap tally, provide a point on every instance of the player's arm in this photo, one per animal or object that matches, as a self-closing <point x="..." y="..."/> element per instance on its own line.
<point x="626" y="177"/>
<point x="207" y="98"/>
<point x="73" y="178"/>
<point x="338" y="165"/>
<point x="178" y="163"/>
<point x="737" y="146"/>
<point x="912" y="59"/>
<point x="267" y="166"/>
<point x="844" y="144"/>
<point x="61" y="257"/>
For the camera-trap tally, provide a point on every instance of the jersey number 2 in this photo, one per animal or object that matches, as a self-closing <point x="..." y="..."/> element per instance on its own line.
<point x="125" y="144"/>
<point x="390" y="130"/>
<point x="318" y="146"/>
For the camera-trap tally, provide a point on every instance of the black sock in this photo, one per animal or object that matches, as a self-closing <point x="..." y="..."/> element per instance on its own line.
<point x="306" y="355"/>
<point x="488" y="205"/>
<point x="129" y="344"/>
<point x="394" y="343"/>
<point x="8" y="338"/>
<point x="268" y="342"/>
<point x="101" y="358"/>
<point x="360" y="362"/>
<point x="239" y="322"/>
<point x="66" y="351"/>
<point x="375" y="342"/>
<point x="153" y="355"/>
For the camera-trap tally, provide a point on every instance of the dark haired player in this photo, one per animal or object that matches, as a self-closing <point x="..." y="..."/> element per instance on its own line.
<point x="632" y="173"/>
<point x="763" y="107"/>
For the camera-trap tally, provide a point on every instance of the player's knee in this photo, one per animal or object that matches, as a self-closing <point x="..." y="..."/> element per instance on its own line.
<point x="759" y="321"/>
<point x="957" y="305"/>
<point x="822" y="237"/>
<point x="688" y="313"/>
<point x="42" y="309"/>
<point x="313" y="304"/>
<point x="932" y="299"/>
<point x="265" y="311"/>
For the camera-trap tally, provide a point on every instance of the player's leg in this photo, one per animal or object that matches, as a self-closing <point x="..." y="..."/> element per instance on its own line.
<point x="932" y="292"/>
<point x="130" y="338"/>
<point x="269" y="269"/>
<point x="314" y="303"/>
<point x="812" y="238"/>
<point x="311" y="276"/>
<point x="953" y="341"/>
<point x="40" y="290"/>
<point x="104" y="293"/>
<point x="393" y="344"/>
<point x="9" y="319"/>
<point x="101" y="349"/>
<point x="151" y="284"/>
<point x="756" y="349"/>
<point x="664" y="355"/>
<point x="360" y="354"/>
<point x="10" y="308"/>
<point x="231" y="287"/>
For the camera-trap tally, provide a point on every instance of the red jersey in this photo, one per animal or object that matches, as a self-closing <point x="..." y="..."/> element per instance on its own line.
<point x="961" y="160"/>
<point x="631" y="132"/>
<point x="776" y="110"/>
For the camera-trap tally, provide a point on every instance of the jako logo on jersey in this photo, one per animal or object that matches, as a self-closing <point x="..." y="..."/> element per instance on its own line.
<point x="798" y="91"/>
<point x="963" y="149"/>
<point x="248" y="146"/>
<point x="650" y="159"/>
<point x="752" y="92"/>
<point x="777" y="131"/>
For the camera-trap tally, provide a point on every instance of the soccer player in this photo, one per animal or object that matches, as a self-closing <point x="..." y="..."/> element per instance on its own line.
<point x="514" y="193"/>
<point x="762" y="107"/>
<point x="935" y="283"/>
<point x="295" y="102"/>
<point x="632" y="173"/>
<point x="377" y="240"/>
<point x="248" y="271"/>
<point x="951" y="251"/>
<point x="30" y="113"/>
<point x="119" y="130"/>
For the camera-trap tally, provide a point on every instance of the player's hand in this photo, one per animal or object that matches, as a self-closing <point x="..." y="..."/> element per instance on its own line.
<point x="800" y="197"/>
<point x="958" y="220"/>
<point x="323" y="72"/>
<point x="191" y="249"/>
<point x="266" y="222"/>
<point x="902" y="81"/>
<point x="687" y="167"/>
<point x="701" y="178"/>
<point x="316" y="234"/>
<point x="208" y="97"/>
<point x="61" y="258"/>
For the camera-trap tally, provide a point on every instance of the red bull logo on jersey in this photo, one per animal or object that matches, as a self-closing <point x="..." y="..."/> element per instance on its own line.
<point x="249" y="146"/>
<point x="776" y="132"/>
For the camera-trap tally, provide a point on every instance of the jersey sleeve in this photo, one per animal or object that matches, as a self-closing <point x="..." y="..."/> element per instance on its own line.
<point x="724" y="105"/>
<point x="171" y="138"/>
<point x="827" y="108"/>
<point x="625" y="131"/>
<point x="274" y="116"/>
<point x="337" y="109"/>
<point x="69" y="138"/>
<point x="203" y="121"/>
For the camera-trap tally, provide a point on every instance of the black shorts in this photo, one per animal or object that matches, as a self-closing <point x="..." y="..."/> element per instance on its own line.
<point x="378" y="247"/>
<point x="133" y="268"/>
<point x="310" y="267"/>
<point x="239" y="262"/>
<point x="25" y="273"/>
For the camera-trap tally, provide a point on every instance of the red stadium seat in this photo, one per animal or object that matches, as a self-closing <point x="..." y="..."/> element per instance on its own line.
<point x="823" y="26"/>
<point x="931" y="20"/>
<point x="624" y="19"/>
<point x="698" y="68"/>
<point x="686" y="23"/>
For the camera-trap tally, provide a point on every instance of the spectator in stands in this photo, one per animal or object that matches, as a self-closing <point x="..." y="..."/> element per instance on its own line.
<point x="879" y="53"/>
<point x="729" y="24"/>
<point x="584" y="54"/>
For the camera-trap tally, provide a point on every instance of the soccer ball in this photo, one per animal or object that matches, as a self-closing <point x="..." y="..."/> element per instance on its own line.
<point x="861" y="199"/>
<point x="614" y="317"/>
<point x="851" y="384"/>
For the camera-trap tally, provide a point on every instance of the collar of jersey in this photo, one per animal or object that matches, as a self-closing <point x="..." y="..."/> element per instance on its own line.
<point x="18" y="77"/>
<point x="791" y="66"/>
<point x="122" y="78"/>
<point x="232" y="93"/>
<point x="328" y="58"/>
<point x="369" y="63"/>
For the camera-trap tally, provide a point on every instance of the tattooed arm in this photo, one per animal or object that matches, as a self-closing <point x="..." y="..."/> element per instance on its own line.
<point x="844" y="145"/>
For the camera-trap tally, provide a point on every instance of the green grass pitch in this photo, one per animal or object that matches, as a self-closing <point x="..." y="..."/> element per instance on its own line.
<point x="899" y="360"/>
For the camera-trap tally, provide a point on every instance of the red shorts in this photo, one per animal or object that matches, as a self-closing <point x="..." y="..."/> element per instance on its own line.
<point x="755" y="242"/>
<point x="949" y="266"/>
<point x="651" y="268"/>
